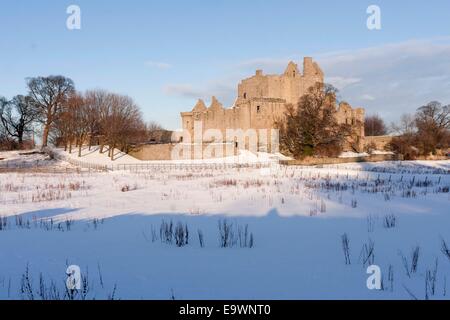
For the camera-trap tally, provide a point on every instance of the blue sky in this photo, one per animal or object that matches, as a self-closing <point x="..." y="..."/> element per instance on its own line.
<point x="166" y="54"/>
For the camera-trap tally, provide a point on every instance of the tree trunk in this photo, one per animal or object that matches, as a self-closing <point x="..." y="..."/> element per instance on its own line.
<point x="112" y="151"/>
<point x="45" y="135"/>
<point x="20" y="135"/>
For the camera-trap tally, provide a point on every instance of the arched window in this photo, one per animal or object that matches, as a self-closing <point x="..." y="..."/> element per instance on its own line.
<point x="258" y="109"/>
<point x="245" y="95"/>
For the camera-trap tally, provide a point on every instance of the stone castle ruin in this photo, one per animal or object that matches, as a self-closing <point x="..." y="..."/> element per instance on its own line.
<point x="261" y="102"/>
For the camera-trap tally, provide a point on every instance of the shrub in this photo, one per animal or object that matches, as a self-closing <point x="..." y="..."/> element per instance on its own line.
<point x="389" y="221"/>
<point x="230" y="235"/>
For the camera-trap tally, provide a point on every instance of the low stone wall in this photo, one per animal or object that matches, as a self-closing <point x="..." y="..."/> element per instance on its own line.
<point x="380" y="142"/>
<point x="310" y="161"/>
<point x="163" y="151"/>
<point x="158" y="151"/>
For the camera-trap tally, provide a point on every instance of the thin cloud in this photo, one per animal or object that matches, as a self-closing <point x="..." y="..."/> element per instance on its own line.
<point x="266" y="64"/>
<point x="157" y="64"/>
<point x="341" y="82"/>
<point x="400" y="77"/>
<point x="222" y="89"/>
<point x="367" y="97"/>
<point x="182" y="90"/>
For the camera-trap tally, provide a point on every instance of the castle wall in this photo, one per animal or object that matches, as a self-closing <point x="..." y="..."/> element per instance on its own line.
<point x="153" y="152"/>
<point x="163" y="151"/>
<point x="262" y="101"/>
<point x="289" y="86"/>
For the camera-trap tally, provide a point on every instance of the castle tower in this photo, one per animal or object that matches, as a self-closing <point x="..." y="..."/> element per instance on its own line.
<point x="292" y="70"/>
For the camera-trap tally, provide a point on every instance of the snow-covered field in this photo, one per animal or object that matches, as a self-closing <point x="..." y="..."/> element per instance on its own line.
<point x="116" y="227"/>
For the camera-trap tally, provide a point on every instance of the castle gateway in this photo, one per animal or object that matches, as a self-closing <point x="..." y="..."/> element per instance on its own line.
<point x="261" y="102"/>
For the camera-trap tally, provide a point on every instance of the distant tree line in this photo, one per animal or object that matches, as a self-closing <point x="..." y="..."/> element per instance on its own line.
<point x="310" y="128"/>
<point x="71" y="119"/>
<point x="423" y="133"/>
<point x="68" y="118"/>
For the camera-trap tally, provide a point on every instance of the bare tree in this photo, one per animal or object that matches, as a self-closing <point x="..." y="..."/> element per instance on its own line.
<point x="119" y="121"/>
<point x="79" y="119"/>
<point x="5" y="141"/>
<point x="93" y="105"/>
<point x="3" y="101"/>
<point x="423" y="133"/>
<point x="374" y="126"/>
<point x="153" y="126"/>
<point x="407" y="125"/>
<point x="433" y="125"/>
<point x="406" y="137"/>
<point x="125" y="124"/>
<point x="100" y="104"/>
<point x="48" y="95"/>
<point x="155" y="133"/>
<point x="81" y="116"/>
<point x="17" y="117"/>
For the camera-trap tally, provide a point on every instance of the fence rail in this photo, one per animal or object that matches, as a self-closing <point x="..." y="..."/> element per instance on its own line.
<point x="36" y="166"/>
<point x="15" y="164"/>
<point x="82" y="164"/>
<point x="193" y="166"/>
<point x="164" y="166"/>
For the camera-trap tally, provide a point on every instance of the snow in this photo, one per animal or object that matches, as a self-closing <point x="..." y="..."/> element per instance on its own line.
<point x="351" y="154"/>
<point x="296" y="214"/>
<point x="381" y="152"/>
<point x="94" y="156"/>
<point x="29" y="156"/>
